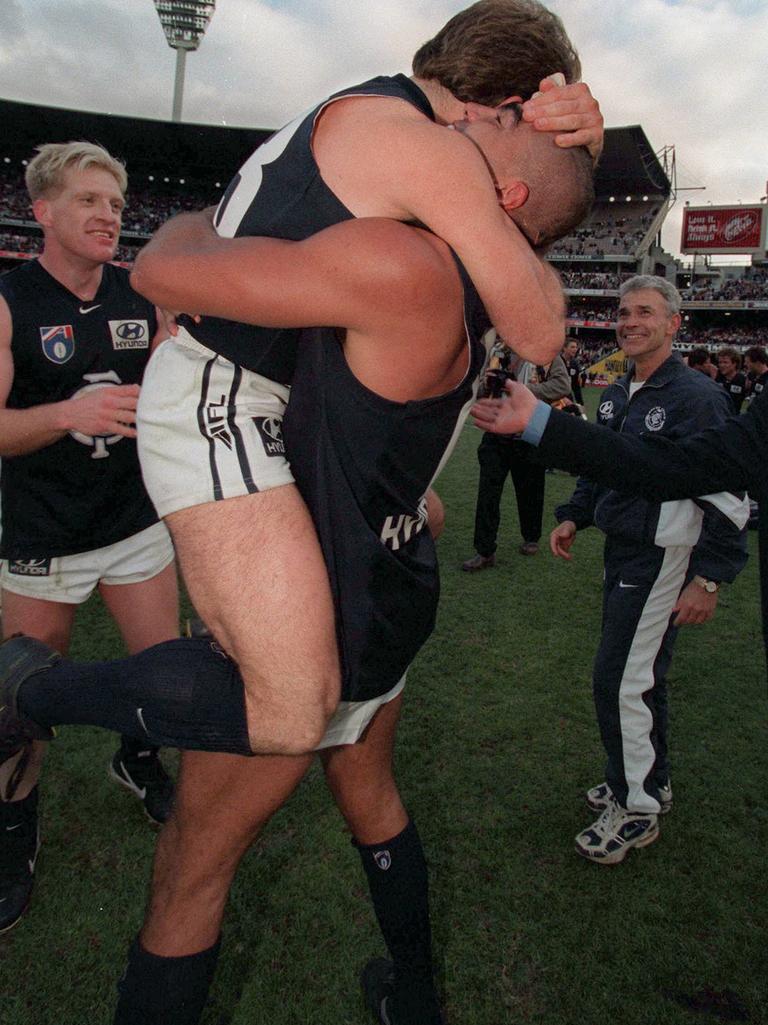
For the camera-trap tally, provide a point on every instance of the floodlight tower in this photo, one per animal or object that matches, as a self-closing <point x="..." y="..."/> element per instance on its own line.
<point x="184" y="23"/>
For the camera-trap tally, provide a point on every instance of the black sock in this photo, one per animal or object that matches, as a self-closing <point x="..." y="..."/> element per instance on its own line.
<point x="183" y="693"/>
<point x="164" y="990"/>
<point x="131" y="748"/>
<point x="397" y="877"/>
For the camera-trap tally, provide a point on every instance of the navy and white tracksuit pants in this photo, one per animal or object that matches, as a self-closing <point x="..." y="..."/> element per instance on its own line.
<point x="640" y="590"/>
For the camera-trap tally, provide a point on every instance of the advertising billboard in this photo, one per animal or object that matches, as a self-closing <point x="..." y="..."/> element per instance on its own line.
<point x="724" y="229"/>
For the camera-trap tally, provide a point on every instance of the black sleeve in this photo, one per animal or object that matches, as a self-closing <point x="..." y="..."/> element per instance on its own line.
<point x="730" y="457"/>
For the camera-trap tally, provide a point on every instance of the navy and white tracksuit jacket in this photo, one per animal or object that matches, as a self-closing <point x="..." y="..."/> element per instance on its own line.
<point x="652" y="549"/>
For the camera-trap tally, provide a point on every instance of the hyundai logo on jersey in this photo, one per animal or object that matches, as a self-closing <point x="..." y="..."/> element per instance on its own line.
<point x="129" y="334"/>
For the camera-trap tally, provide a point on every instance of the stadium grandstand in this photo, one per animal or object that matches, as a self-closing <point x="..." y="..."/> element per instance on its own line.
<point x="174" y="167"/>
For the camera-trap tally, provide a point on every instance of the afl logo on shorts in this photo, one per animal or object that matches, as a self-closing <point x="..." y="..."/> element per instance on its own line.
<point x="98" y="442"/>
<point x="606" y="410"/>
<point x="129" y="334"/>
<point x="58" y="343"/>
<point x="270" y="430"/>
<point x="655" y="418"/>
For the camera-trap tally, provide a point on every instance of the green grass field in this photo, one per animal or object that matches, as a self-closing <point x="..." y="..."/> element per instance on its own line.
<point x="498" y="743"/>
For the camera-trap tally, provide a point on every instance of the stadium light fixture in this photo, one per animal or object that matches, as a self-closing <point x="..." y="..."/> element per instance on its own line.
<point x="184" y="23"/>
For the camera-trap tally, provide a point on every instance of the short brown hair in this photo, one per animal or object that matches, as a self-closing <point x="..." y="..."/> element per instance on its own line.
<point x="730" y="353"/>
<point x="45" y="172"/>
<point x="496" y="49"/>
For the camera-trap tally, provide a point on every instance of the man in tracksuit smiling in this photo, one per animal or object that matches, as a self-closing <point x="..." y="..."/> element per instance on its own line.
<point x="661" y="560"/>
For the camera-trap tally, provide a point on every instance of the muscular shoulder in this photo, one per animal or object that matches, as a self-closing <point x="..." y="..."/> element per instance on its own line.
<point x="399" y="260"/>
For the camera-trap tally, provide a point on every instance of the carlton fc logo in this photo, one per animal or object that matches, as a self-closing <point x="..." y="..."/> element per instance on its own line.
<point x="655" y="418"/>
<point x="99" y="442"/>
<point x="58" y="343"/>
<point x="606" y="410"/>
<point x="129" y="334"/>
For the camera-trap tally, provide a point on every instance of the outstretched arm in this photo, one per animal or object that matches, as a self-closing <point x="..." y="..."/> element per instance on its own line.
<point x="727" y="457"/>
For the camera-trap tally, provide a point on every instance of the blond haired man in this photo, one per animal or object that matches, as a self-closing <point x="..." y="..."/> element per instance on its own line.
<point x="74" y="341"/>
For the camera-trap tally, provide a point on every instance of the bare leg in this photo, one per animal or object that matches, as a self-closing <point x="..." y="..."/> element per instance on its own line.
<point x="146" y="612"/>
<point x="222" y="803"/>
<point x="361" y="780"/>
<point x="255" y="573"/>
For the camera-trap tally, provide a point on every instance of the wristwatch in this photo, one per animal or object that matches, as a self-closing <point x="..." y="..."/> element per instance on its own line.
<point x="710" y="586"/>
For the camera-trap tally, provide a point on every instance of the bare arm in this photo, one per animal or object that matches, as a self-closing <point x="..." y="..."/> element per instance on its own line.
<point x="344" y="276"/>
<point x="103" y="411"/>
<point x="396" y="163"/>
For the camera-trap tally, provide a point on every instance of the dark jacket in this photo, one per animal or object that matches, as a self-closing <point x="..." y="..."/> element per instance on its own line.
<point x="728" y="457"/>
<point x="674" y="402"/>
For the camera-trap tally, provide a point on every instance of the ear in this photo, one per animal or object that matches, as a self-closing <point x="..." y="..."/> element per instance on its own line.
<point x="478" y="112"/>
<point x="513" y="194"/>
<point x="41" y="210"/>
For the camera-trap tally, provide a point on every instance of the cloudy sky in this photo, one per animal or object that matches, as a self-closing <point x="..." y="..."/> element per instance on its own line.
<point x="691" y="72"/>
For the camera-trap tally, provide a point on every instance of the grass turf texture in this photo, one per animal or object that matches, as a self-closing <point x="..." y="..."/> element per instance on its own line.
<point x="497" y="745"/>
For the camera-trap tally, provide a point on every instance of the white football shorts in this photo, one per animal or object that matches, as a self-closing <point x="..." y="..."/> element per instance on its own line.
<point x="207" y="428"/>
<point x="351" y="718"/>
<point x="73" y="578"/>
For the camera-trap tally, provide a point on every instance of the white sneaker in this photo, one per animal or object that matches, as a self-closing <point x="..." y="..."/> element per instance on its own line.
<point x="608" y="840"/>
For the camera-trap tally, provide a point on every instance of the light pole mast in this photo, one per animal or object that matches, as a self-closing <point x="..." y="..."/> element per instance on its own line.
<point x="184" y="23"/>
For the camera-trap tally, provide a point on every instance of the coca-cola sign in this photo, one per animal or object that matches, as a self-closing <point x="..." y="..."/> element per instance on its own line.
<point x="723" y="229"/>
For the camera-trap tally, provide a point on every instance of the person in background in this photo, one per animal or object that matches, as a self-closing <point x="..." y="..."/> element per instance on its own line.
<point x="699" y="359"/>
<point x="756" y="363"/>
<point x="502" y="457"/>
<point x="731" y="377"/>
<point x="661" y="561"/>
<point x="575" y="370"/>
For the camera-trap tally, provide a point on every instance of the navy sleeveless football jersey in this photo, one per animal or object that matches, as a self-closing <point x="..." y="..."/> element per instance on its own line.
<point x="279" y="193"/>
<point x="363" y="465"/>
<point x="82" y="492"/>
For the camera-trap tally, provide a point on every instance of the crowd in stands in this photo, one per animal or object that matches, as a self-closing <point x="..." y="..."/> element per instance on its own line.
<point x="605" y="315"/>
<point x="14" y="243"/>
<point x="607" y="233"/>
<point x="592" y="350"/>
<point x="592" y="280"/>
<point x="714" y="337"/>
<point x="753" y="285"/>
<point x="145" y="211"/>
<point x="14" y="201"/>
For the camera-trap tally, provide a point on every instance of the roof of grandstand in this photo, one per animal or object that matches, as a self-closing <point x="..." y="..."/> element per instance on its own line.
<point x="628" y="163"/>
<point x="201" y="151"/>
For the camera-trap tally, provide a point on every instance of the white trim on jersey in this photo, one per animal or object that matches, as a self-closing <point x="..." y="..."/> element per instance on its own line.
<point x="235" y="204"/>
